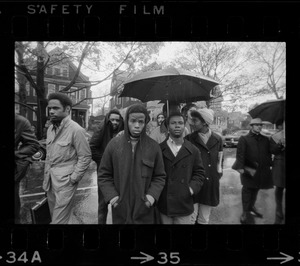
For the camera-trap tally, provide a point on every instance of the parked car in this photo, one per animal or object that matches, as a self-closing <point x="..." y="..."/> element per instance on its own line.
<point x="231" y="140"/>
<point x="268" y="132"/>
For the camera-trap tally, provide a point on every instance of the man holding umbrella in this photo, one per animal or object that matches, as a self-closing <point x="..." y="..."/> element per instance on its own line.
<point x="253" y="162"/>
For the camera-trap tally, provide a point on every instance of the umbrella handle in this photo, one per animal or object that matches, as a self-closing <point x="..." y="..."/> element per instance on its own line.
<point x="167" y="108"/>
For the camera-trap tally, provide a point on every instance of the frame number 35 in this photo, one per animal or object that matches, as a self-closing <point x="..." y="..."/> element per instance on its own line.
<point x="174" y="258"/>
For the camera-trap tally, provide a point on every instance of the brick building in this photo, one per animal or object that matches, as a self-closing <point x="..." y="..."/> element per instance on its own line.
<point x="56" y="77"/>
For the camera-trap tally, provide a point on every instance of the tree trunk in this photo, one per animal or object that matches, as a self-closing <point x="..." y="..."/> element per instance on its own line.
<point x="21" y="80"/>
<point x="41" y="100"/>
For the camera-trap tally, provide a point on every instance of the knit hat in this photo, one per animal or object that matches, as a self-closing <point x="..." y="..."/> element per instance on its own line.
<point x="205" y="114"/>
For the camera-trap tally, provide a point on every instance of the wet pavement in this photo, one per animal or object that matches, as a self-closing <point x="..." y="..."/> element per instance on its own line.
<point x="86" y="197"/>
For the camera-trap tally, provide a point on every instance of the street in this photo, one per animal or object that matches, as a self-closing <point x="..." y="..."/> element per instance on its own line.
<point x="86" y="198"/>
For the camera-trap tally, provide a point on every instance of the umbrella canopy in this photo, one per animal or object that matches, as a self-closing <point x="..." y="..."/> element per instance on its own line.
<point x="171" y="84"/>
<point x="272" y="111"/>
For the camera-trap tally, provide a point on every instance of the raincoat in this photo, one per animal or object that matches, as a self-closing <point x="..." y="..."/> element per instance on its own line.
<point x="68" y="158"/>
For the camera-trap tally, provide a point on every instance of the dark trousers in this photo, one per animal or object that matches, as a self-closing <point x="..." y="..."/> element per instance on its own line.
<point x="102" y="208"/>
<point x="278" y="199"/>
<point x="249" y="196"/>
<point x="21" y="168"/>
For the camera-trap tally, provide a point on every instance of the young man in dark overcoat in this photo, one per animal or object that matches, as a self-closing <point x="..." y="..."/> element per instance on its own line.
<point x="185" y="174"/>
<point x="131" y="174"/>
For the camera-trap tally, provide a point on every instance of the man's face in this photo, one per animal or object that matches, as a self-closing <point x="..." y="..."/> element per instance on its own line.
<point x="115" y="120"/>
<point x="136" y="123"/>
<point x="160" y="119"/>
<point x="256" y="128"/>
<point x="198" y="124"/>
<point x="56" y="110"/>
<point x="176" y="126"/>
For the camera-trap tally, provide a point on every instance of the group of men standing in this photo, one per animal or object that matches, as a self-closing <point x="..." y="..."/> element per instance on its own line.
<point x="173" y="180"/>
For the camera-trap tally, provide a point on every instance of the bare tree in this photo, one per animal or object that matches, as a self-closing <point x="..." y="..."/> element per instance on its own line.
<point x="270" y="74"/>
<point x="128" y="56"/>
<point x="218" y="60"/>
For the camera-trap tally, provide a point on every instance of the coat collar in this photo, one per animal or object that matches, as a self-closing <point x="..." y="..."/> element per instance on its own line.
<point x="212" y="141"/>
<point x="64" y="123"/>
<point x="183" y="152"/>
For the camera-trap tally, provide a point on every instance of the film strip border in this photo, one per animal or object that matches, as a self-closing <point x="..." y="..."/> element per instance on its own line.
<point x="186" y="245"/>
<point x="214" y="20"/>
<point x="111" y="245"/>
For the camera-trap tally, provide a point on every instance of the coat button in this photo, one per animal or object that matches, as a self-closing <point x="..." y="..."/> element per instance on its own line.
<point x="209" y="165"/>
<point x="182" y="181"/>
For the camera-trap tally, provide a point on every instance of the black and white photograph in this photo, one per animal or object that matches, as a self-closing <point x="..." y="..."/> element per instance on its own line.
<point x="139" y="132"/>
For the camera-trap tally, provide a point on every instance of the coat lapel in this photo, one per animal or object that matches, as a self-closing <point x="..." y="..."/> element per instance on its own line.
<point x="65" y="123"/>
<point x="212" y="141"/>
<point x="167" y="153"/>
<point x="199" y="141"/>
<point x="183" y="152"/>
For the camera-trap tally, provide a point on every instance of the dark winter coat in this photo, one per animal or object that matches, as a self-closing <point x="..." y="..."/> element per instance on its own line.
<point x="183" y="171"/>
<point x="103" y="134"/>
<point x="278" y="168"/>
<point x="26" y="144"/>
<point x="209" y="193"/>
<point x="131" y="175"/>
<point x="254" y="151"/>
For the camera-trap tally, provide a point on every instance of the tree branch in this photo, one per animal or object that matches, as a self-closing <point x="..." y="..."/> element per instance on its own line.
<point x="27" y="106"/>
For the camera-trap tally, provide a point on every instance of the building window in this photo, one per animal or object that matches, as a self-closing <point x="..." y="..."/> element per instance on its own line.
<point x="57" y="71"/>
<point x="82" y="94"/>
<point x="49" y="71"/>
<point x="73" y="95"/>
<point x="33" y="91"/>
<point x="27" y="89"/>
<point x="51" y="89"/>
<point x="65" y="73"/>
<point x="34" y="118"/>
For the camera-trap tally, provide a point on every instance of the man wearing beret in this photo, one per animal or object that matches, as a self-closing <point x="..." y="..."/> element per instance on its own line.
<point x="253" y="162"/>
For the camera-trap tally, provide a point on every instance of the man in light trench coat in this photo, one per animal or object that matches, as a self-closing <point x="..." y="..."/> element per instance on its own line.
<point x="68" y="158"/>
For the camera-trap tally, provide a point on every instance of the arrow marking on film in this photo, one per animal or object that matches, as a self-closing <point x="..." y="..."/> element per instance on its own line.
<point x="285" y="259"/>
<point x="145" y="259"/>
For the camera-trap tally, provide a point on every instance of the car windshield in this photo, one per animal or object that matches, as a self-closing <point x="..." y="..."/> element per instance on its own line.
<point x="240" y="133"/>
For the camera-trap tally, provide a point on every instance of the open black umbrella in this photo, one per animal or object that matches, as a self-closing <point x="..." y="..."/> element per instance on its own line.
<point x="272" y="111"/>
<point x="171" y="85"/>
